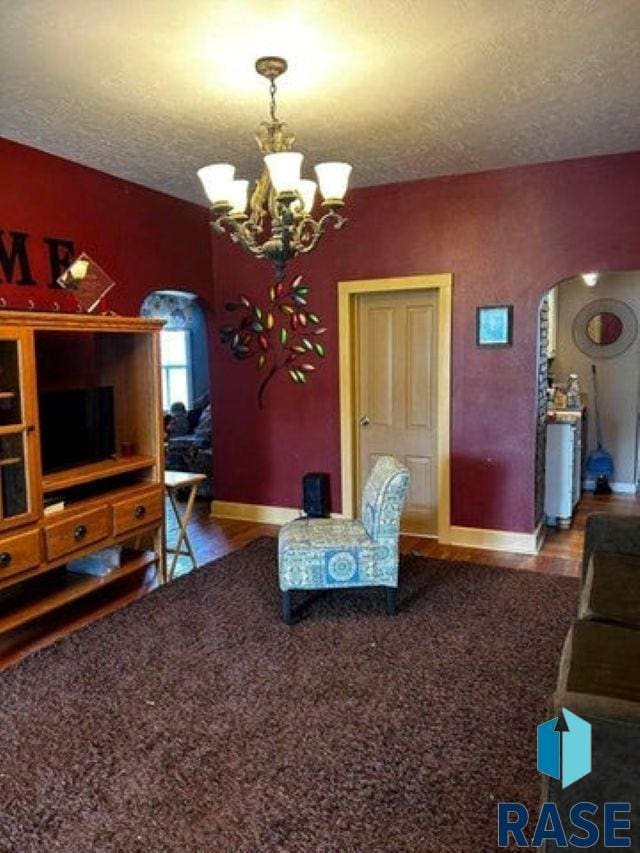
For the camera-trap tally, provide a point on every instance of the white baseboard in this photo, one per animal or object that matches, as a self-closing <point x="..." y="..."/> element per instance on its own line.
<point x="257" y="512"/>
<point x="498" y="540"/>
<point x="616" y="488"/>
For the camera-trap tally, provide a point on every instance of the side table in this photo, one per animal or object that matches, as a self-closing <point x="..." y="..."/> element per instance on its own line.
<point x="174" y="481"/>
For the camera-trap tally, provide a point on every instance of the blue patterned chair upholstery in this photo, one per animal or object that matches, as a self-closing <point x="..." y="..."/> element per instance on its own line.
<point x="326" y="553"/>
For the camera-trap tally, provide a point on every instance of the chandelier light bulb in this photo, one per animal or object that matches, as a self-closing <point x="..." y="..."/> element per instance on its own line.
<point x="334" y="180"/>
<point x="284" y="170"/>
<point x="307" y="190"/>
<point x="216" y="180"/>
<point x="238" y="193"/>
<point x="590" y="278"/>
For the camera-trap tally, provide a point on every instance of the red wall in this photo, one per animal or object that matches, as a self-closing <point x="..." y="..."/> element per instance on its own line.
<point x="506" y="236"/>
<point x="144" y="239"/>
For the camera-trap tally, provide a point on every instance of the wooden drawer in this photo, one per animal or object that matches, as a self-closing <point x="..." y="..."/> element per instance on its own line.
<point x="145" y="508"/>
<point x="72" y="534"/>
<point x="19" y="553"/>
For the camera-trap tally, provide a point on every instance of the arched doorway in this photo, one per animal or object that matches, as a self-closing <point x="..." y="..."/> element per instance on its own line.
<point x="587" y="320"/>
<point x="185" y="382"/>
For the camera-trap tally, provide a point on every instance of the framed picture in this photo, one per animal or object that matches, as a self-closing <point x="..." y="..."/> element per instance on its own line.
<point x="494" y="326"/>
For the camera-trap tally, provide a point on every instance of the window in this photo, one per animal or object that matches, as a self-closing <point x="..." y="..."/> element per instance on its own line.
<point x="175" y="356"/>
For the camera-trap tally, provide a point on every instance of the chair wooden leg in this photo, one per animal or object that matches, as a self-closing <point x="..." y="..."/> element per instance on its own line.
<point x="287" y="610"/>
<point x="391" y="600"/>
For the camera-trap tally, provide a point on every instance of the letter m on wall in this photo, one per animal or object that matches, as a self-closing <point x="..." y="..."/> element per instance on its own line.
<point x="14" y="260"/>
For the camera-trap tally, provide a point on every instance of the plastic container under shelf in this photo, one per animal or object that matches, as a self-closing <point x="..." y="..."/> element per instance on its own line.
<point x="98" y="564"/>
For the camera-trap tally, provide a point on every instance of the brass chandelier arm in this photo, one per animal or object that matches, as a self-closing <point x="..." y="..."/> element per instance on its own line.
<point x="292" y="234"/>
<point x="310" y="231"/>
<point x="240" y="232"/>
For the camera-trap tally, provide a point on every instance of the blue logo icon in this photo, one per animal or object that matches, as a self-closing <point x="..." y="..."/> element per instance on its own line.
<point x="564" y="748"/>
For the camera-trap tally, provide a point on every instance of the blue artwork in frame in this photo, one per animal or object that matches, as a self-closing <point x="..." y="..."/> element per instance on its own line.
<point x="494" y="326"/>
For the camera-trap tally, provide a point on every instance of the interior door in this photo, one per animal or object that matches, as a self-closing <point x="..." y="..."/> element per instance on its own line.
<point x="397" y="395"/>
<point x="19" y="442"/>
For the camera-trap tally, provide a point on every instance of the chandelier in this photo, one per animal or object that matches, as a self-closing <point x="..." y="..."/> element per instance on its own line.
<point x="279" y="224"/>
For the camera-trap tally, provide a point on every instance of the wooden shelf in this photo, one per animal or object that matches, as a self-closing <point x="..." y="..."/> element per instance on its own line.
<point x="100" y="498"/>
<point x="82" y="474"/>
<point x="32" y="636"/>
<point x="59" y="322"/>
<point x="70" y="587"/>
<point x="14" y="460"/>
<point x="13" y="429"/>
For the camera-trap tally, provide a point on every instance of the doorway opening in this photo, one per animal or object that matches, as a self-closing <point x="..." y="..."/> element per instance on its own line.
<point x="186" y="403"/>
<point x="588" y="330"/>
<point x="374" y="317"/>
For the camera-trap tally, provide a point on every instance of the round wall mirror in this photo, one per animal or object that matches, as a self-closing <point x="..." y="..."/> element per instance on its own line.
<point x="605" y="328"/>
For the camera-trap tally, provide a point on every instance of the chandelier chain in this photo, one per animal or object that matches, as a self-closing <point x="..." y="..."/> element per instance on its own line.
<point x="272" y="108"/>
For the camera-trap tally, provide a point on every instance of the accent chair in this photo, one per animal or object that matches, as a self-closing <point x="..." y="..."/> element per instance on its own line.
<point x="327" y="553"/>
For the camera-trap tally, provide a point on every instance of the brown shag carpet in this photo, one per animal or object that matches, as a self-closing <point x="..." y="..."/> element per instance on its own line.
<point x="194" y="720"/>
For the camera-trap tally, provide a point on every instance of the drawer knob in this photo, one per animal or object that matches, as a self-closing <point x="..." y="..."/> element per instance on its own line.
<point x="80" y="532"/>
<point x="140" y="511"/>
<point x="5" y="559"/>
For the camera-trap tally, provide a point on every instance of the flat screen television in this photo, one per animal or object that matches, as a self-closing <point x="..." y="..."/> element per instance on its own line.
<point x="76" y="427"/>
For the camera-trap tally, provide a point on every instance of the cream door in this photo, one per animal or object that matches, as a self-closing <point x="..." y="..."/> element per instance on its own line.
<point x="398" y="393"/>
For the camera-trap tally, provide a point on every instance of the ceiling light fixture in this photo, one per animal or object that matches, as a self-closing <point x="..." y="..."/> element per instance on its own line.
<point x="281" y="198"/>
<point x="590" y="278"/>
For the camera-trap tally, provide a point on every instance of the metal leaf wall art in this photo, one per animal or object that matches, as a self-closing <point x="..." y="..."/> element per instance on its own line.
<point x="281" y="337"/>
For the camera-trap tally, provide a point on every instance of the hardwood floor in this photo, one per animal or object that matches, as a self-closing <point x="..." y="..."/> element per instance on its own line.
<point x="561" y="552"/>
<point x="214" y="538"/>
<point x="567" y="544"/>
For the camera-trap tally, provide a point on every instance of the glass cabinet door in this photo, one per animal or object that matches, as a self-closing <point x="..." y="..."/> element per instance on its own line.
<point x="18" y="434"/>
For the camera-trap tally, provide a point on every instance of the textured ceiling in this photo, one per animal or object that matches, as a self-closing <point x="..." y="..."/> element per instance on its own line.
<point x="154" y="89"/>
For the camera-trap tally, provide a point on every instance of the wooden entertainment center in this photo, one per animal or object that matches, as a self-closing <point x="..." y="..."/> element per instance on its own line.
<point x="114" y="501"/>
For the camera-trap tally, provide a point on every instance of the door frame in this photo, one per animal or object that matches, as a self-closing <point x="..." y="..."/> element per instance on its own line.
<point x="348" y="291"/>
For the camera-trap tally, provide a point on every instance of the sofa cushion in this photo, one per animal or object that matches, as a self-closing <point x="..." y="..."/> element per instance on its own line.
<point x="607" y="531"/>
<point x="203" y="428"/>
<point x="601" y="659"/>
<point x="611" y="589"/>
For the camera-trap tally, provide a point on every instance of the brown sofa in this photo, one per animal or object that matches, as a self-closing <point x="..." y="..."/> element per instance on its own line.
<point x="599" y="676"/>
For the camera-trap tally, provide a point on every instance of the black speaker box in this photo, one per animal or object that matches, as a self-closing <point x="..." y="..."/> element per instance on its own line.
<point x="315" y="495"/>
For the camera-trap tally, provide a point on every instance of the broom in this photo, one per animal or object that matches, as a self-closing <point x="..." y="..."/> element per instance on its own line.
<point x="599" y="462"/>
